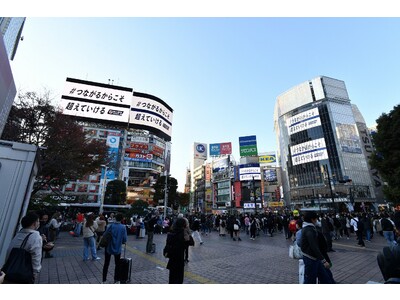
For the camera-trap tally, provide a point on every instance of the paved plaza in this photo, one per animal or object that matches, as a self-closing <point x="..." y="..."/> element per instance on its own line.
<point x="220" y="260"/>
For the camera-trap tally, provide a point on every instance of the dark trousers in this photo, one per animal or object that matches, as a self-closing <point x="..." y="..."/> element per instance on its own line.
<point x="314" y="269"/>
<point x="328" y="238"/>
<point x="176" y="275"/>
<point x="117" y="258"/>
<point x="150" y="235"/>
<point x="360" y="238"/>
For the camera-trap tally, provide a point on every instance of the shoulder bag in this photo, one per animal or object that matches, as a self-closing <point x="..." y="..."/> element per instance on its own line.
<point x="18" y="267"/>
<point x="105" y="239"/>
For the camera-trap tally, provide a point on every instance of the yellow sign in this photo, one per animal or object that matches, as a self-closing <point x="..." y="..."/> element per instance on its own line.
<point x="275" y="204"/>
<point x="267" y="159"/>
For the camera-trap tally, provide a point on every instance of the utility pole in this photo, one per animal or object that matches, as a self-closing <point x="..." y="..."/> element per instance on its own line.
<point x="255" y="197"/>
<point x="165" y="195"/>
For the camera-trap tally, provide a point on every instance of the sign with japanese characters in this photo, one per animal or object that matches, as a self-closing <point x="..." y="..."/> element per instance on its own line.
<point x="93" y="100"/>
<point x="248" y="145"/>
<point x="151" y="113"/>
<point x="303" y="121"/>
<point x="220" y="149"/>
<point x="309" y="151"/>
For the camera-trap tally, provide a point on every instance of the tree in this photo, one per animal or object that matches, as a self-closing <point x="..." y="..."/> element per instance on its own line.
<point x="115" y="192"/>
<point x="66" y="154"/>
<point x="159" y="187"/>
<point x="386" y="157"/>
<point x="139" y="207"/>
<point x="183" y="199"/>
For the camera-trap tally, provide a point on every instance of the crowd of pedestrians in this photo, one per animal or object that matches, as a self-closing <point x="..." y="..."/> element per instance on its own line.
<point x="313" y="234"/>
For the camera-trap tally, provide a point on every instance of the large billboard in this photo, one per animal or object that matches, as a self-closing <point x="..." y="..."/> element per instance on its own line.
<point x="249" y="172"/>
<point x="220" y="149"/>
<point x="309" y="151"/>
<point x="348" y="138"/>
<point x="151" y="113"/>
<point x="86" y="99"/>
<point x="248" y="145"/>
<point x="267" y="159"/>
<point x="303" y="121"/>
<point x="200" y="150"/>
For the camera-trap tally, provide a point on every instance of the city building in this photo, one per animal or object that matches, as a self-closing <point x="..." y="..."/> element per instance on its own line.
<point x="137" y="130"/>
<point x="10" y="29"/>
<point x="319" y="148"/>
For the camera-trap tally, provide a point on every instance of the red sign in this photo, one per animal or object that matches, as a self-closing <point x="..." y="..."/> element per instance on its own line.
<point x="226" y="148"/>
<point x="139" y="146"/>
<point x="140" y="155"/>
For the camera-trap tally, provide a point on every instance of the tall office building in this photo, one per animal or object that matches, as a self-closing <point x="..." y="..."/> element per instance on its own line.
<point x="320" y="149"/>
<point x="11" y="30"/>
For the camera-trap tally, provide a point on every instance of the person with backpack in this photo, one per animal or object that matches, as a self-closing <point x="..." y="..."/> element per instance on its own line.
<point x="358" y="229"/>
<point x="33" y="244"/>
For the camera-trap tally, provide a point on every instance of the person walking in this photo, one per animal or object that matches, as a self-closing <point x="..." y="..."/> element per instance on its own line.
<point x="388" y="229"/>
<point x="34" y="243"/>
<point x="150" y="232"/>
<point x="236" y="229"/>
<point x="327" y="230"/>
<point x="176" y="247"/>
<point x="315" y="264"/>
<point x="195" y="231"/>
<point x="44" y="233"/>
<point x="253" y="228"/>
<point x="358" y="227"/>
<point x="89" y="241"/>
<point x="119" y="237"/>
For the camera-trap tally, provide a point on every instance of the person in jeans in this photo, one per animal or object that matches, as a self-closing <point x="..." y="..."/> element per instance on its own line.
<point x="89" y="240"/>
<point x="315" y="264"/>
<point x="119" y="237"/>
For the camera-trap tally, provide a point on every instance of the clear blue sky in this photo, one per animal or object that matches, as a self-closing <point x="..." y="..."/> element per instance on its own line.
<point x="220" y="75"/>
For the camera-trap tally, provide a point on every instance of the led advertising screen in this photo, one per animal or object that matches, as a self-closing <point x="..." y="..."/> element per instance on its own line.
<point x="303" y="121"/>
<point x="348" y="138"/>
<point x="309" y="151"/>
<point x="151" y="113"/>
<point x="86" y="99"/>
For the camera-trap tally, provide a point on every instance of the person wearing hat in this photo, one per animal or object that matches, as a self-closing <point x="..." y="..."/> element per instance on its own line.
<point x="316" y="266"/>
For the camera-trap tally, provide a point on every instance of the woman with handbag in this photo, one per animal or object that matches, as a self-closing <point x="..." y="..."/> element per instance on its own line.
<point x="29" y="239"/>
<point x="89" y="238"/>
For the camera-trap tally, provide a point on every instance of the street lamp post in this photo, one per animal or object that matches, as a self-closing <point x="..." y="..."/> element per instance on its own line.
<point x="255" y="198"/>
<point x="103" y="191"/>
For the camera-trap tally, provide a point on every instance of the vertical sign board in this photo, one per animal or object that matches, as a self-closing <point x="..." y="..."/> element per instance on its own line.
<point x="151" y="113"/>
<point x="248" y="146"/>
<point x="86" y="99"/>
<point x="200" y="150"/>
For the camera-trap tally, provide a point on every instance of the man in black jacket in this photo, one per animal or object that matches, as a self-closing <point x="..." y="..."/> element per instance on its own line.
<point x="316" y="265"/>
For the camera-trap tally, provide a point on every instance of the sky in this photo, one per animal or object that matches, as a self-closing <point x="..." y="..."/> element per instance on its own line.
<point x="221" y="75"/>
